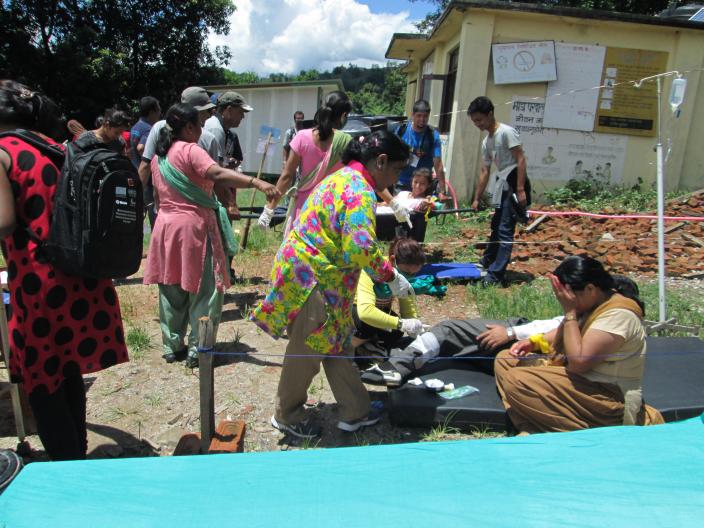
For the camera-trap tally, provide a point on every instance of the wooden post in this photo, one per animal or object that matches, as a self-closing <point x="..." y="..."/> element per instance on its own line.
<point x="245" y="235"/>
<point x="12" y="387"/>
<point x="206" y="342"/>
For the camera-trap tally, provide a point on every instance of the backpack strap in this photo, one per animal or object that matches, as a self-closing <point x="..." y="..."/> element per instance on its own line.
<point x="52" y="151"/>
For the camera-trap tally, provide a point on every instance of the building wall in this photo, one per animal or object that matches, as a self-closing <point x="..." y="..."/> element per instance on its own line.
<point x="274" y="107"/>
<point x="480" y="28"/>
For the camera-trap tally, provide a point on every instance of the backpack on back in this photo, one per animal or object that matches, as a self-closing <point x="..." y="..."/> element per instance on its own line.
<point x="96" y="226"/>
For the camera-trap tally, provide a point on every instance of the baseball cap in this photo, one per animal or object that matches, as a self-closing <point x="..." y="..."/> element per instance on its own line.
<point x="197" y="97"/>
<point x="231" y="98"/>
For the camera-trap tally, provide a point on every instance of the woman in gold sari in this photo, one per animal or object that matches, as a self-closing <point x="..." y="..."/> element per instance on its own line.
<point x="592" y="373"/>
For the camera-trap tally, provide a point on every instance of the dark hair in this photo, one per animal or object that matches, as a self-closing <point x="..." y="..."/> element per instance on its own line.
<point x="298" y="112"/>
<point x="329" y="116"/>
<point x="421" y="105"/>
<point x="481" y="105"/>
<point x="579" y="270"/>
<point x="407" y="251"/>
<point x="24" y="108"/>
<point x="177" y="117"/>
<point x="379" y="142"/>
<point x="116" y="118"/>
<point x="148" y="104"/>
<point x="423" y="173"/>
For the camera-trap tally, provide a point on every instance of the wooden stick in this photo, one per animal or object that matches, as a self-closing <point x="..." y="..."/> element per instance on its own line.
<point x="536" y="223"/>
<point x="245" y="235"/>
<point x="698" y="241"/>
<point x="206" y="341"/>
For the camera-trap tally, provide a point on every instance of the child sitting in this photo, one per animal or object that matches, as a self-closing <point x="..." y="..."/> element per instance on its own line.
<point x="379" y="328"/>
<point x="418" y="202"/>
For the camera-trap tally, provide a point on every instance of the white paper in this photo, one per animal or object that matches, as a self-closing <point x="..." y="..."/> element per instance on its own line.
<point x="527" y="113"/>
<point x="524" y="62"/>
<point x="572" y="99"/>
<point x="261" y="145"/>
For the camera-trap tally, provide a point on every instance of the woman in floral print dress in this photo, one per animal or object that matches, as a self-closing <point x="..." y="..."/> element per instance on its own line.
<point x="315" y="277"/>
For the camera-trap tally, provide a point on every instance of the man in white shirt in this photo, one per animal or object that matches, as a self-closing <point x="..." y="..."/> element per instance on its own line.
<point x="510" y="189"/>
<point x="230" y="112"/>
<point x="198" y="98"/>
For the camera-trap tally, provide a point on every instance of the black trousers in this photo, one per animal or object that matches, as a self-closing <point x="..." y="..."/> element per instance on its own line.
<point x="61" y="419"/>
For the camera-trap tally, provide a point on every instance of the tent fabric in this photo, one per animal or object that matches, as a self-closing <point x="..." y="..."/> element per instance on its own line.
<point x="616" y="476"/>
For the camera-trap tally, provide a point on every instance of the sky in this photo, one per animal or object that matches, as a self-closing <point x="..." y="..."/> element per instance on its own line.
<point x="287" y="36"/>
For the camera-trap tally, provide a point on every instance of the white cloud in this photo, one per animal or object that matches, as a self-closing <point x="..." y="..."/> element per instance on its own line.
<point x="271" y="36"/>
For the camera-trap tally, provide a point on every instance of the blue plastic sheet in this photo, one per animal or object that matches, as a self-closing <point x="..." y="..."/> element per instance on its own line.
<point x="617" y="476"/>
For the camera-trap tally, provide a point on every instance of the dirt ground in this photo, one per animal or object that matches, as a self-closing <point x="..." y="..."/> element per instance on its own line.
<point x="142" y="408"/>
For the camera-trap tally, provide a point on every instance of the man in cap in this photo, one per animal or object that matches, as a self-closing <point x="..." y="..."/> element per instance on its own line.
<point x="231" y="110"/>
<point x="197" y="97"/>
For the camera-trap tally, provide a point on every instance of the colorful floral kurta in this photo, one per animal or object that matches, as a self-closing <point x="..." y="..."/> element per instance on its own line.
<point x="332" y="240"/>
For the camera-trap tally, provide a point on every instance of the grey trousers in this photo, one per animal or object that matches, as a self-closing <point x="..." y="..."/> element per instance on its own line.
<point x="455" y="338"/>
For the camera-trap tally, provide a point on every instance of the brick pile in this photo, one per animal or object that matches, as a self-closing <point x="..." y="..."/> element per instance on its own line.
<point x="623" y="245"/>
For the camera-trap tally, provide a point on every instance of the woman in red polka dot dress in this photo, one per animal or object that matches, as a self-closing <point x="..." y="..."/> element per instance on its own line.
<point x="61" y="327"/>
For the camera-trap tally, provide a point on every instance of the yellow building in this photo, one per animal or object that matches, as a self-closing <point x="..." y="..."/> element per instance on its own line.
<point x="593" y="122"/>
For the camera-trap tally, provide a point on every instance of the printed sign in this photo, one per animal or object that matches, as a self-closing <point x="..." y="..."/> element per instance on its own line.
<point x="524" y="62"/>
<point x="527" y="113"/>
<point x="623" y="108"/>
<point x="572" y="100"/>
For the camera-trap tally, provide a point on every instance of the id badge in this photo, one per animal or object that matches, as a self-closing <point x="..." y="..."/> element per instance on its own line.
<point x="414" y="160"/>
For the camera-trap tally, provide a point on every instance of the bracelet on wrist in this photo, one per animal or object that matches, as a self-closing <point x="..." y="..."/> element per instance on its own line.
<point x="570" y="317"/>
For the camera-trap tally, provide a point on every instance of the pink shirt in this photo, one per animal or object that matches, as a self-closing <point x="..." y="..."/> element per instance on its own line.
<point x="311" y="155"/>
<point x="178" y="244"/>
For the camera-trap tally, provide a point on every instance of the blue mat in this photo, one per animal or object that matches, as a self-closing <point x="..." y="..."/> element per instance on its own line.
<point x="451" y="270"/>
<point x="616" y="476"/>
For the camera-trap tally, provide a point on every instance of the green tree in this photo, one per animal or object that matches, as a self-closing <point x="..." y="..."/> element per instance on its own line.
<point x="88" y="55"/>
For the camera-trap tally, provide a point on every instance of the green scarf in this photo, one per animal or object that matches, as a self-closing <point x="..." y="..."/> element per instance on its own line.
<point x="198" y="196"/>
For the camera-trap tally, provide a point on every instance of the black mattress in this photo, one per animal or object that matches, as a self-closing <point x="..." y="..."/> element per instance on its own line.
<point x="673" y="383"/>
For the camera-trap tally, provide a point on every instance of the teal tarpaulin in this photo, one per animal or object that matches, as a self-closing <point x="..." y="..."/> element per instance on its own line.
<point x="617" y="476"/>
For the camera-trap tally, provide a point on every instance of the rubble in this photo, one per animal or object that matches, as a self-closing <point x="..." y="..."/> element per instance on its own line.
<point x="624" y="245"/>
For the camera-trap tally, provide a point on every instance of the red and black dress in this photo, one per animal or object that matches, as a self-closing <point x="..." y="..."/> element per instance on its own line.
<point x="60" y="325"/>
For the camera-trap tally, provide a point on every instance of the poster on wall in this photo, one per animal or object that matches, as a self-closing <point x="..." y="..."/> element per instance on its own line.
<point x="524" y="62"/>
<point x="623" y="108"/>
<point x="562" y="155"/>
<point x="527" y="113"/>
<point x="571" y="100"/>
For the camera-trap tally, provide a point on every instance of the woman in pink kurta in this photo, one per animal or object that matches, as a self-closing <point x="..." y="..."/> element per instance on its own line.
<point x="186" y="255"/>
<point x="316" y="152"/>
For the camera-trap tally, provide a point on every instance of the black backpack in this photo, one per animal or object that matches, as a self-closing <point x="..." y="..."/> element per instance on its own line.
<point x="96" y="227"/>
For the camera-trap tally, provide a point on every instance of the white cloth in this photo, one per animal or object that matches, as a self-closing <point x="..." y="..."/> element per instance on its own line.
<point x="539" y="326"/>
<point x="496" y="150"/>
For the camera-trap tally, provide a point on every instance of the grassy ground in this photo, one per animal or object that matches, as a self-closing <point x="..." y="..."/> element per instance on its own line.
<point x="536" y="301"/>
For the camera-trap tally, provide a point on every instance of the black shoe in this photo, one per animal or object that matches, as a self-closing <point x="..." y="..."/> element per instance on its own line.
<point x="192" y="362"/>
<point x="171" y="357"/>
<point x="305" y="429"/>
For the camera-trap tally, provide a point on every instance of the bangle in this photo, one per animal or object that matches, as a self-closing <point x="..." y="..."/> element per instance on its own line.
<point x="399" y="325"/>
<point x="251" y="181"/>
<point x="570" y="317"/>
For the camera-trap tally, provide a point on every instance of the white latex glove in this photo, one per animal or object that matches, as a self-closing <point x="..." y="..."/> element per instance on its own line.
<point x="400" y="212"/>
<point x="412" y="327"/>
<point x="265" y="217"/>
<point x="399" y="285"/>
